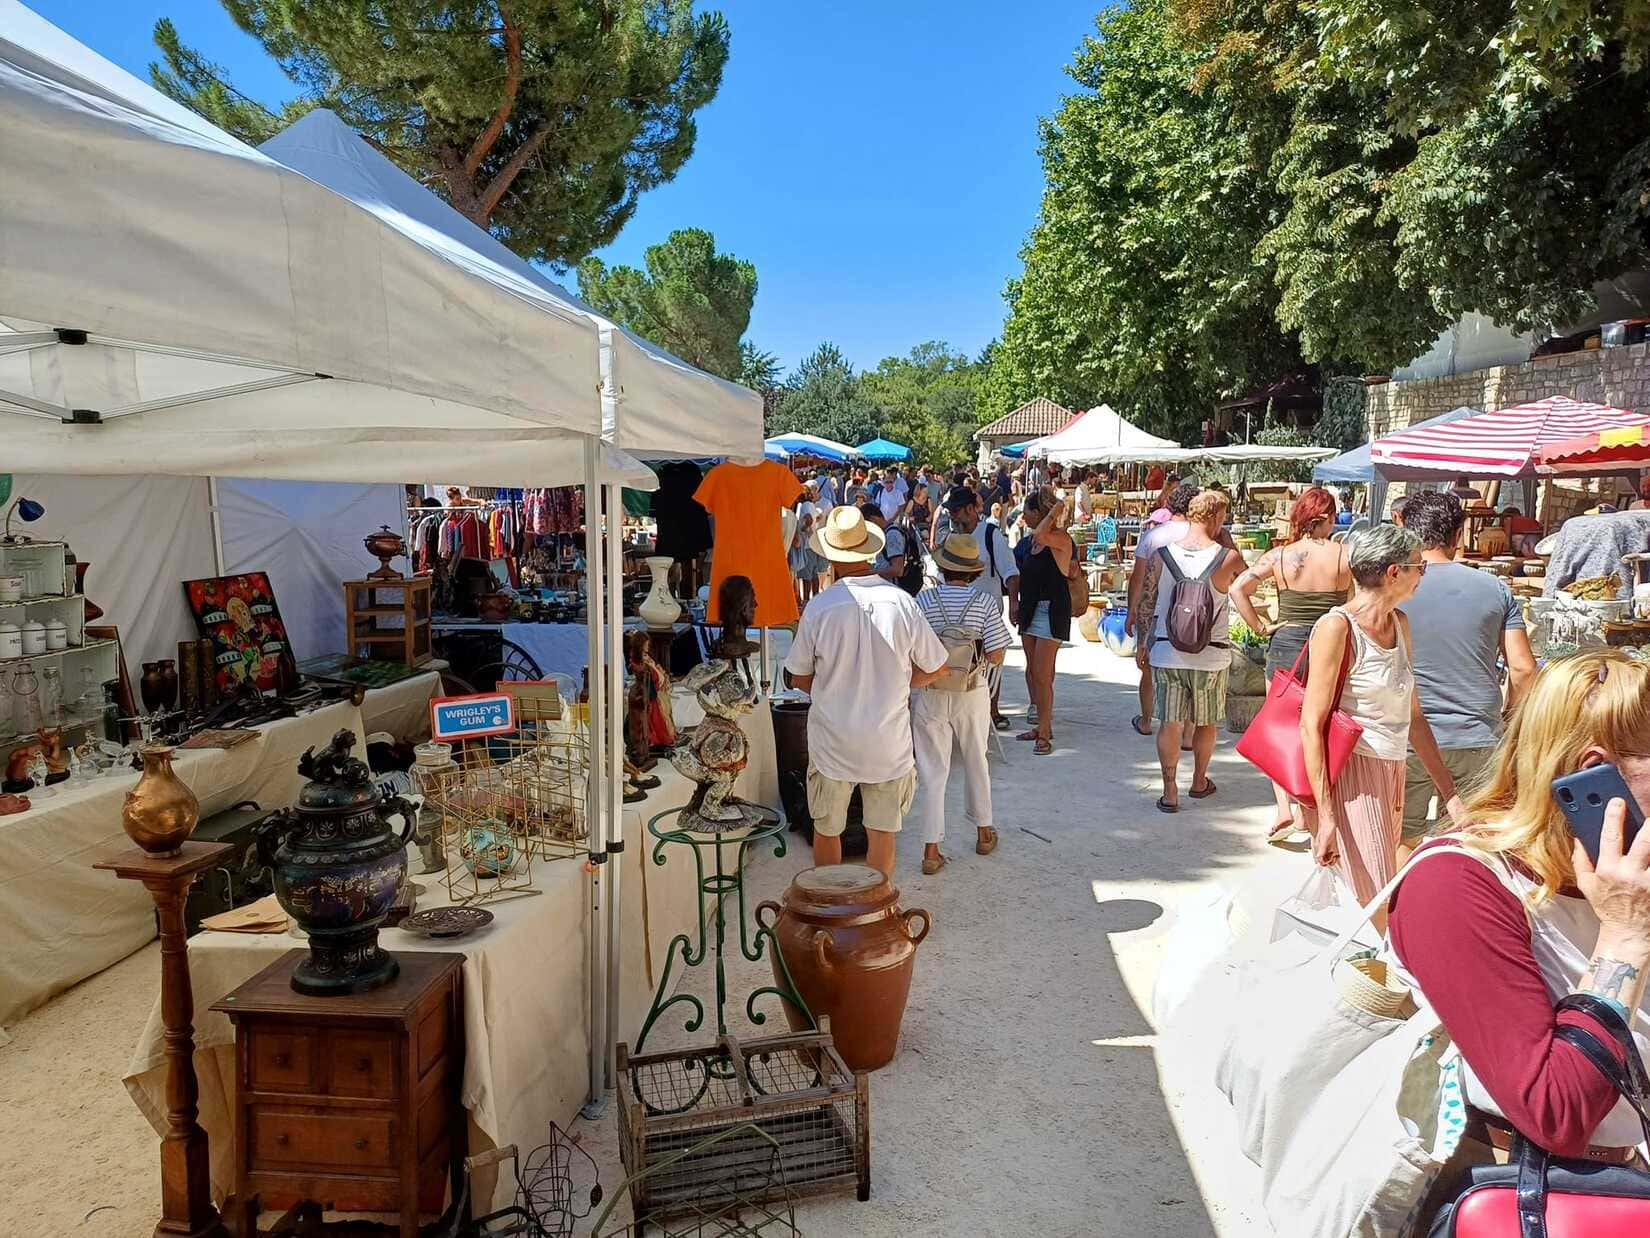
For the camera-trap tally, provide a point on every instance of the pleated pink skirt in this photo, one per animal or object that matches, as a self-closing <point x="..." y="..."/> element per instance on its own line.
<point x="1370" y="794"/>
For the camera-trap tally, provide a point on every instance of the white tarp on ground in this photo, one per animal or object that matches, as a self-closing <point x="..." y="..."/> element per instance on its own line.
<point x="657" y="403"/>
<point x="1100" y="436"/>
<point x="215" y="285"/>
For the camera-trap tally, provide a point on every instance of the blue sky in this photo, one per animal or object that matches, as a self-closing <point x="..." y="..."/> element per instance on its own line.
<point x="876" y="159"/>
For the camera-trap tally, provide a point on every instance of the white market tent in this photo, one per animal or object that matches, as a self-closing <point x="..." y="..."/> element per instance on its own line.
<point x="653" y="403"/>
<point x="810" y="445"/>
<point x="173" y="302"/>
<point x="1100" y="436"/>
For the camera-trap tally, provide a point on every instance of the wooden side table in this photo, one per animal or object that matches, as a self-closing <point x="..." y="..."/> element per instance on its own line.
<point x="389" y="618"/>
<point x="351" y="1103"/>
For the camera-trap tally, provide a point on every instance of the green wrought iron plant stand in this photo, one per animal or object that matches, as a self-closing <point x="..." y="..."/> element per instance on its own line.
<point x="690" y="951"/>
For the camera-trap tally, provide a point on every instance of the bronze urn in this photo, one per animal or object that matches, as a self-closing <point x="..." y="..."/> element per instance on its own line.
<point x="384" y="545"/>
<point x="337" y="865"/>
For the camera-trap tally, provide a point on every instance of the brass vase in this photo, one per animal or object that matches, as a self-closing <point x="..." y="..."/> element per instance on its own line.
<point x="160" y="811"/>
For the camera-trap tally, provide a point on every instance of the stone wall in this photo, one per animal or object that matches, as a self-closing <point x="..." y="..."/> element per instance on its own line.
<point x="1619" y="376"/>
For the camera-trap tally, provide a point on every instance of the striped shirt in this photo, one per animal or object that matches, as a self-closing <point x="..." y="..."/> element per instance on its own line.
<point x="976" y="614"/>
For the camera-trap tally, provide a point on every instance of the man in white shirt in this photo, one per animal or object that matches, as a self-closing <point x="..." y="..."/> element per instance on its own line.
<point x="954" y="710"/>
<point x="861" y="646"/>
<point x="1000" y="577"/>
<point x="891" y="494"/>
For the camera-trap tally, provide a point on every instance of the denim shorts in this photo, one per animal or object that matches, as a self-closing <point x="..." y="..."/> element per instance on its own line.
<point x="1039" y="624"/>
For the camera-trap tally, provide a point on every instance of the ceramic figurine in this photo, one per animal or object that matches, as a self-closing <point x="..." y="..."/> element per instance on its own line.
<point x="714" y="755"/>
<point x="57" y="761"/>
<point x="17" y="770"/>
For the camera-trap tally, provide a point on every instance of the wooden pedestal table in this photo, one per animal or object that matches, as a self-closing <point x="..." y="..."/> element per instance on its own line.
<point x="185" y="1186"/>
<point x="349" y="1103"/>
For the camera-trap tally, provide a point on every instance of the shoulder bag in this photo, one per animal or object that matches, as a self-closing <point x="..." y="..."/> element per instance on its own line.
<point x="1537" y="1195"/>
<point x="1272" y="741"/>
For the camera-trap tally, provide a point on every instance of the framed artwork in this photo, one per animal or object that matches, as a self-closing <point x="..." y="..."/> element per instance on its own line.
<point x="239" y="616"/>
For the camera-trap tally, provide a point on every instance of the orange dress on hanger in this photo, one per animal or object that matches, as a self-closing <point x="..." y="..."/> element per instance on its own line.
<point x="746" y="500"/>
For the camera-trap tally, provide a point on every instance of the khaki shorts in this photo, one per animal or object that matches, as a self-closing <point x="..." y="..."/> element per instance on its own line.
<point x="1197" y="697"/>
<point x="1465" y="766"/>
<point x="885" y="803"/>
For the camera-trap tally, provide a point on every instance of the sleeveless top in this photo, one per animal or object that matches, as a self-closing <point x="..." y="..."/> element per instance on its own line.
<point x="1307" y="605"/>
<point x="1042" y="581"/>
<point x="1213" y="657"/>
<point x="1379" y="686"/>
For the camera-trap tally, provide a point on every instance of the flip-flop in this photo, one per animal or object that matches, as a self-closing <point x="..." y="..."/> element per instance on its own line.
<point x="1135" y="723"/>
<point x="1282" y="831"/>
<point x="1209" y="789"/>
<point x="1163" y="805"/>
<point x="1042" y="748"/>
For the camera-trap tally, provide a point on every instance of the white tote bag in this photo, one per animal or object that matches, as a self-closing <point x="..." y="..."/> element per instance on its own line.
<point x="1344" y="1084"/>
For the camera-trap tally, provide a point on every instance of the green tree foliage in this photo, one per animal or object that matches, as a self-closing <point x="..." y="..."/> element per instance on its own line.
<point x="690" y="299"/>
<point x="928" y="401"/>
<point x="759" y="370"/>
<point x="1140" y="285"/>
<point x="825" y="396"/>
<point x="540" y="120"/>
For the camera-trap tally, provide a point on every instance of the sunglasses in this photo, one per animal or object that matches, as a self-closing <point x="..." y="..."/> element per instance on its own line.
<point x="1421" y="568"/>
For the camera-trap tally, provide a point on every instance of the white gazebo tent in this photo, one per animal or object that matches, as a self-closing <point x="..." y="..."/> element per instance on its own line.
<point x="1100" y="436"/>
<point x="652" y="403"/>
<point x="175" y="302"/>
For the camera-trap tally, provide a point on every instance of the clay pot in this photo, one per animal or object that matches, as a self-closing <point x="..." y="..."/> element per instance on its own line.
<point x="849" y="949"/>
<point x="94" y="612"/>
<point x="160" y="811"/>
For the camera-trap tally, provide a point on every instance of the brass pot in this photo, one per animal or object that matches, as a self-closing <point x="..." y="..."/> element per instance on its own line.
<point x="161" y="811"/>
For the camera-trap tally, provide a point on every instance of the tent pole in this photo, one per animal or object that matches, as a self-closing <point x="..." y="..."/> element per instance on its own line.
<point x="615" y="785"/>
<point x="217" y="523"/>
<point x="595" y="796"/>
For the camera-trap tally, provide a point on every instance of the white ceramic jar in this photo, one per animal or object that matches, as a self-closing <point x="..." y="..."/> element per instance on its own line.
<point x="11" y="588"/>
<point x="34" y="637"/>
<point x="11" y="641"/>
<point x="57" y="634"/>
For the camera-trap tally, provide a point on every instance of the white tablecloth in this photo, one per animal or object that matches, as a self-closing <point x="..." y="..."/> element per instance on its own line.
<point x="62" y="920"/>
<point x="526" y="979"/>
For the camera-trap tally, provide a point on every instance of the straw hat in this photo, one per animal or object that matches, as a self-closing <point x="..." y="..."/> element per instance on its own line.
<point x="959" y="553"/>
<point x="846" y="538"/>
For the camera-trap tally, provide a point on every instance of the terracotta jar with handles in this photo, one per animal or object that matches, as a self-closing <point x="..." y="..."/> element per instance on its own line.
<point x="849" y="948"/>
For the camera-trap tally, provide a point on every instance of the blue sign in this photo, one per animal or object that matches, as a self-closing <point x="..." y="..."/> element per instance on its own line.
<point x="471" y="717"/>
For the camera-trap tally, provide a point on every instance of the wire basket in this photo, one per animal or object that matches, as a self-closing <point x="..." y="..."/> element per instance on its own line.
<point x="792" y="1095"/>
<point x="510" y="800"/>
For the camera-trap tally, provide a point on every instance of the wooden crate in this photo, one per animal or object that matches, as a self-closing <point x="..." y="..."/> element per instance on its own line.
<point x="795" y="1089"/>
<point x="389" y="619"/>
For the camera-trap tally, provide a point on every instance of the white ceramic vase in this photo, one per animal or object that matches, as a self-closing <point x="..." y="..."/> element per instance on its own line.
<point x="659" y="610"/>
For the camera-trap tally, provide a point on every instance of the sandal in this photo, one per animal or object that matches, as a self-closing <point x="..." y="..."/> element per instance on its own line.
<point x="1028" y="735"/>
<point x="1135" y="723"/>
<point x="1163" y="805"/>
<point x="1042" y="748"/>
<point x="1209" y="789"/>
<point x="932" y="864"/>
<point x="1282" y="831"/>
<point x="986" y="843"/>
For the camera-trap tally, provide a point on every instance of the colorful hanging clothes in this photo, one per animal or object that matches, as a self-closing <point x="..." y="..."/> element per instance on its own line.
<point x="746" y="501"/>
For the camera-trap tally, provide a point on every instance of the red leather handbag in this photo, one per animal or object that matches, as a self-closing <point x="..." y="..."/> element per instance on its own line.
<point x="1272" y="742"/>
<point x="1536" y="1195"/>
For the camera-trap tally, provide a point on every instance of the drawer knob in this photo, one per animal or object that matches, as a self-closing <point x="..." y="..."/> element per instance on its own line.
<point x="283" y="1059"/>
<point x="363" y="1064"/>
<point x="361" y="1144"/>
<point x="283" y="1139"/>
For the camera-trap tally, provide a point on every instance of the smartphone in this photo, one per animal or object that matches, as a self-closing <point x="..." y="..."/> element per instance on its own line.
<point x="1583" y="796"/>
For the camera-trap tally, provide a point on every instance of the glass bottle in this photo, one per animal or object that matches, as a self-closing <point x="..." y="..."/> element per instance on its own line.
<point x="25" y="695"/>
<point x="8" y="728"/>
<point x="51" y="694"/>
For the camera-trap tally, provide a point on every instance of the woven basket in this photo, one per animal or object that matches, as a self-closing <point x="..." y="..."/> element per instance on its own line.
<point x="1241" y="711"/>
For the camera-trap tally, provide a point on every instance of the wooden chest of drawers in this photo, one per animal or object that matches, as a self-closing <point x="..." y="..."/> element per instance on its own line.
<point x="349" y="1102"/>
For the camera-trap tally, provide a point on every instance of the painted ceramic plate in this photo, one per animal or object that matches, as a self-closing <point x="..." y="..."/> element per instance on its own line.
<point x="447" y="921"/>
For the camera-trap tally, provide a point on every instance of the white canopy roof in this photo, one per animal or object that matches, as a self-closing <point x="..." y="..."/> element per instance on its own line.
<point x="1100" y="436"/>
<point x="172" y="301"/>
<point x="654" y="403"/>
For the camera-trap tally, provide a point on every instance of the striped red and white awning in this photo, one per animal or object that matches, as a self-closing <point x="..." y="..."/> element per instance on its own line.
<point x="1505" y="443"/>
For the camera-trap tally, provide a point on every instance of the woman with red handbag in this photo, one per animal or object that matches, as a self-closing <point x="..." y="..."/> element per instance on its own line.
<point x="1356" y="817"/>
<point x="1538" y="993"/>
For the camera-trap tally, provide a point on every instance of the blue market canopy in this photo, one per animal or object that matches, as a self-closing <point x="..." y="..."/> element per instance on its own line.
<point x="883" y="449"/>
<point x="1356" y="465"/>
<point x="813" y="445"/>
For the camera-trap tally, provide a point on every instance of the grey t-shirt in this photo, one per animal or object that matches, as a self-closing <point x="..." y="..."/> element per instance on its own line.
<point x="1455" y="620"/>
